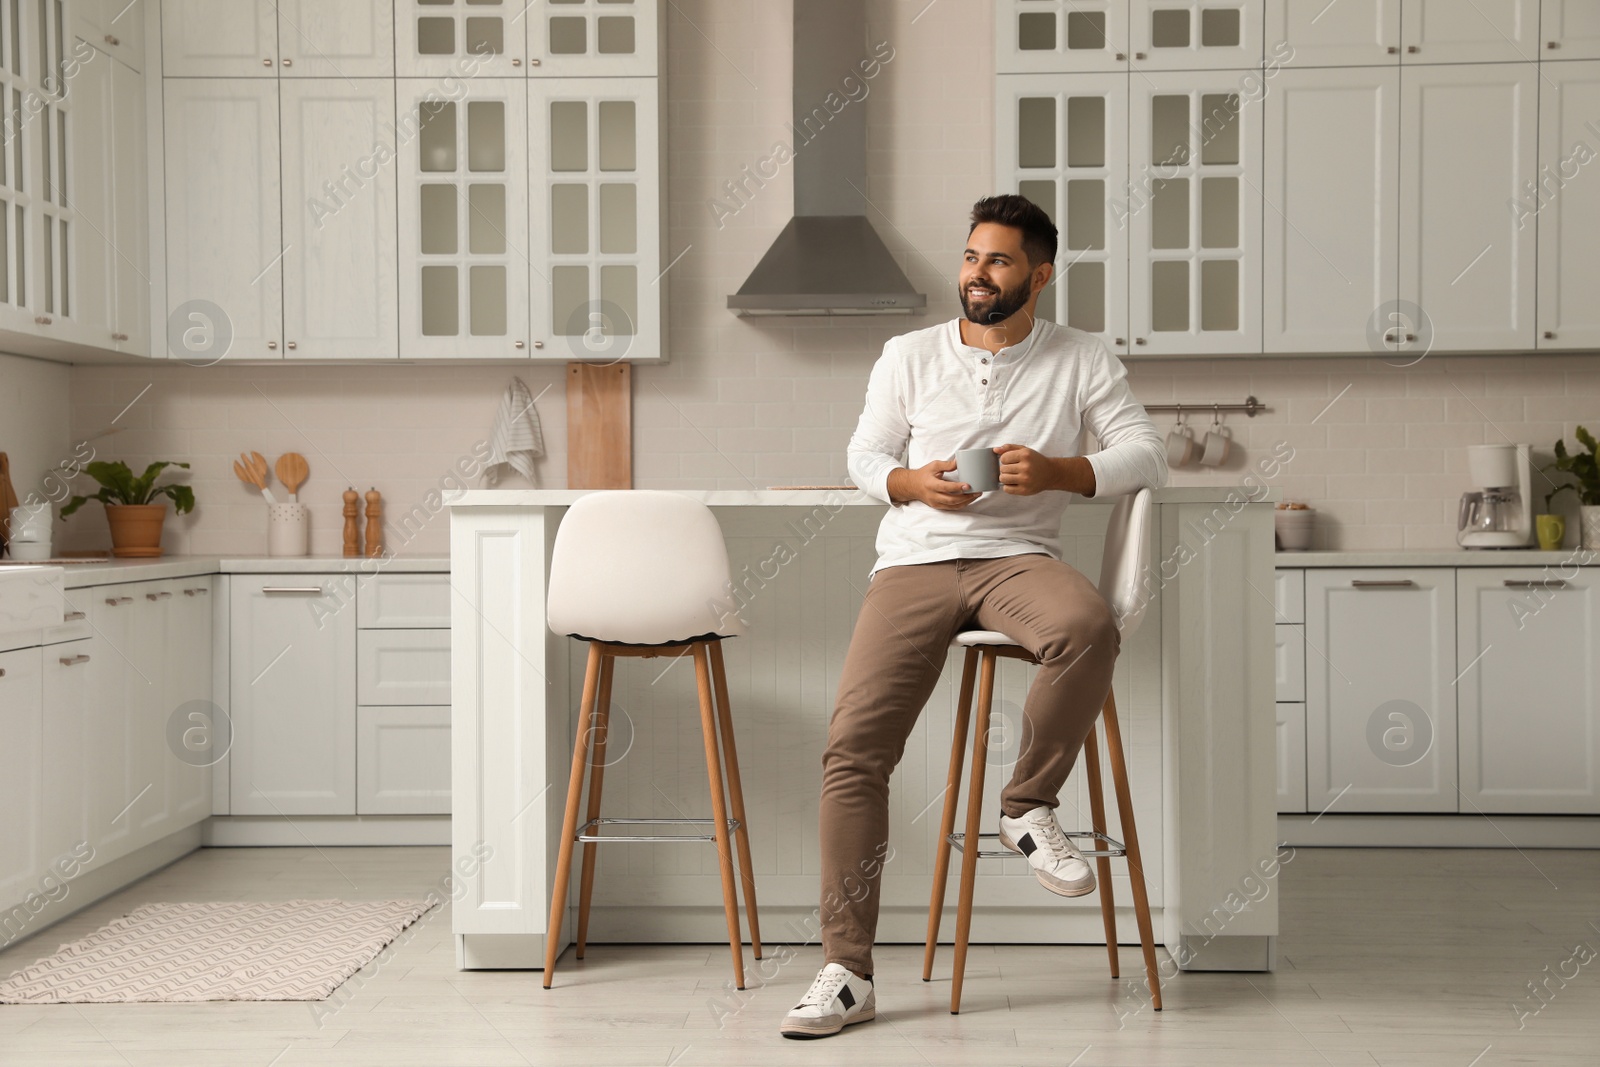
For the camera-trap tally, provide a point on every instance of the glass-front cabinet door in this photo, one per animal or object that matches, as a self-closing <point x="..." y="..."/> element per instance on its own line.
<point x="1195" y="34"/>
<point x="592" y="38"/>
<point x="1194" y="211"/>
<point x="1063" y="145"/>
<point x="1061" y="36"/>
<point x="468" y="38"/>
<point x="464" y="281"/>
<point x="596" y="231"/>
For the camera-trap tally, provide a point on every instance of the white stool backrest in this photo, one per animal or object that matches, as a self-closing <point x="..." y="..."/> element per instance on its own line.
<point x="640" y="566"/>
<point x="1125" y="581"/>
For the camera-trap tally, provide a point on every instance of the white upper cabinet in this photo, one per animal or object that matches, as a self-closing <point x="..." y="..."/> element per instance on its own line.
<point x="1467" y="151"/>
<point x="1063" y="144"/>
<point x="1380" y="698"/>
<point x="467" y="38"/>
<point x="206" y="39"/>
<point x="115" y="27"/>
<point x="1056" y="36"/>
<point x="1332" y="194"/>
<point x="224" y="252"/>
<point x="596" y="227"/>
<point x="1195" y="34"/>
<point x="1529" y="656"/>
<point x="593" y="38"/>
<point x="335" y="38"/>
<point x="1469" y="31"/>
<point x="1565" y="203"/>
<point x="1194" y="215"/>
<point x="1569" y="29"/>
<point x="1342" y="34"/>
<point x="340" y="261"/>
<point x="464" y="195"/>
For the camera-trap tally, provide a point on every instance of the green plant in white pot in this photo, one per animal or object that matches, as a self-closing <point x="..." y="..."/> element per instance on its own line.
<point x="1584" y="467"/>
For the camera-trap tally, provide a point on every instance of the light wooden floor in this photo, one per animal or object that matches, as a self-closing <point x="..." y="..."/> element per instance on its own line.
<point x="1386" y="957"/>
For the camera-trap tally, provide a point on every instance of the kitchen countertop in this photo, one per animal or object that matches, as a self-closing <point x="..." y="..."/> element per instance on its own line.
<point x="850" y="497"/>
<point x="78" y="575"/>
<point x="1440" y="557"/>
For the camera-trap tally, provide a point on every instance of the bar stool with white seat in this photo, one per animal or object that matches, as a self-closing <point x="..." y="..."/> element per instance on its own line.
<point x="1122" y="574"/>
<point x="640" y="573"/>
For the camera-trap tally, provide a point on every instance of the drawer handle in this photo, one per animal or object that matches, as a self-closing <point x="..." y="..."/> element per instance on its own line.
<point x="74" y="616"/>
<point x="115" y="600"/>
<point x="2" y="672"/>
<point x="157" y="596"/>
<point x="73" y="661"/>
<point x="1387" y="583"/>
<point x="292" y="590"/>
<point x="202" y="591"/>
<point x="1533" y="583"/>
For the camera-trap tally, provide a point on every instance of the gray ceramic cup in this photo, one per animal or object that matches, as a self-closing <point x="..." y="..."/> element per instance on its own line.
<point x="979" y="468"/>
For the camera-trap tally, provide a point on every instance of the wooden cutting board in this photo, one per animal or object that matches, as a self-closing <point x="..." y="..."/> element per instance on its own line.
<point x="8" y="500"/>
<point x="599" y="426"/>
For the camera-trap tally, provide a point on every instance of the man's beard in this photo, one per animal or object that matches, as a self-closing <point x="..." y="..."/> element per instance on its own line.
<point x="998" y="308"/>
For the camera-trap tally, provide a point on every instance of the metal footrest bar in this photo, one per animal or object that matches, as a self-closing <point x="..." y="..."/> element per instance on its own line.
<point x="733" y="824"/>
<point x="1113" y="846"/>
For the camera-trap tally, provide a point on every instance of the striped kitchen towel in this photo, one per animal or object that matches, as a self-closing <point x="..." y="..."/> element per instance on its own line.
<point x="516" y="439"/>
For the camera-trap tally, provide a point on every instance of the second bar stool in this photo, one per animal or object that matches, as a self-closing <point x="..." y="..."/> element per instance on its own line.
<point x="1123" y="571"/>
<point x="641" y="573"/>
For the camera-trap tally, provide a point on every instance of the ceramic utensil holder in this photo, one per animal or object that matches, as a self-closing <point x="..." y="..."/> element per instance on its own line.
<point x="30" y="522"/>
<point x="288" y="529"/>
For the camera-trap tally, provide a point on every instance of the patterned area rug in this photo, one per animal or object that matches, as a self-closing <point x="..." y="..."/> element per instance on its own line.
<point x="299" y="950"/>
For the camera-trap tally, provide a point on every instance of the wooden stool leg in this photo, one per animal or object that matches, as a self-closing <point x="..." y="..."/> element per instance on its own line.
<point x="1097" y="810"/>
<point x="719" y="814"/>
<point x="730" y="756"/>
<point x="1141" y="901"/>
<point x="569" y="822"/>
<point x="947" y="823"/>
<point x="970" y="843"/>
<point x="598" y="722"/>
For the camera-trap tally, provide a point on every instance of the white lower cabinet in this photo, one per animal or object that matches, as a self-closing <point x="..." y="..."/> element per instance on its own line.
<point x="292" y="695"/>
<point x="68" y="743"/>
<point x="1380" y="696"/>
<point x="403" y="760"/>
<point x="21" y="720"/>
<point x="1529" y="693"/>
<point x="1291" y="749"/>
<point x="187" y="724"/>
<point x="116" y="690"/>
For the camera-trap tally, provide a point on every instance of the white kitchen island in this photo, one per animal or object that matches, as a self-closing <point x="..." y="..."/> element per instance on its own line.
<point x="1195" y="687"/>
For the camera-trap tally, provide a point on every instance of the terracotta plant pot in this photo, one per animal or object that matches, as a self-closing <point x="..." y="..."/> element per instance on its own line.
<point x="135" y="529"/>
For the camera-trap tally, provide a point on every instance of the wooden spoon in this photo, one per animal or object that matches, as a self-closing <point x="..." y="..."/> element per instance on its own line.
<point x="248" y="476"/>
<point x="292" y="471"/>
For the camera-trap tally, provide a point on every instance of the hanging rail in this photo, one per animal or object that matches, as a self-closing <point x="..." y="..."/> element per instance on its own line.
<point x="1251" y="407"/>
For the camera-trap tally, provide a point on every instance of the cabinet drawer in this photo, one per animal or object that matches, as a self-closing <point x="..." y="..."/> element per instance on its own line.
<point x="403" y="761"/>
<point x="403" y="667"/>
<point x="76" y="613"/>
<point x="1289" y="658"/>
<point x="1291" y="748"/>
<point x="1289" y="595"/>
<point x="403" y="602"/>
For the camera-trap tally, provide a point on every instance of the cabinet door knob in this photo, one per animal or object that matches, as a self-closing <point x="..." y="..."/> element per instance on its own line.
<point x="1138" y="55"/>
<point x="43" y="320"/>
<point x="119" y="337"/>
<point x="1138" y="340"/>
<point x="292" y="345"/>
<point x="1121" y="56"/>
<point x="538" y="344"/>
<point x="267" y="62"/>
<point x="272" y="345"/>
<point x="1413" y="49"/>
<point x="534" y="63"/>
<point x="1411" y="337"/>
<point x="1122" y="340"/>
<point x="1549" y="335"/>
<point x="520" y="344"/>
<point x="112" y="41"/>
<point x="288" y="62"/>
<point x="73" y="661"/>
<point x="1394" y="50"/>
<point x="1552" y="44"/>
<point x="516" y="62"/>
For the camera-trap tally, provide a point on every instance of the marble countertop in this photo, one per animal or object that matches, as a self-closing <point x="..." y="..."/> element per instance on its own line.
<point x="848" y="496"/>
<point x="76" y="575"/>
<point x="1440" y="557"/>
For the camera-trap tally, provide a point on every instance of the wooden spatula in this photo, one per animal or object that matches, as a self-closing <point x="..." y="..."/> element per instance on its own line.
<point x="246" y="471"/>
<point x="292" y="470"/>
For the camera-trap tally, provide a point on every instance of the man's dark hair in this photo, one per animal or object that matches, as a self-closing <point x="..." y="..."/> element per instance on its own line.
<point x="1039" y="234"/>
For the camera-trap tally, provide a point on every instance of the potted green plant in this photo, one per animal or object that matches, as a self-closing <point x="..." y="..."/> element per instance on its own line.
<point x="1584" y="467"/>
<point x="135" y="519"/>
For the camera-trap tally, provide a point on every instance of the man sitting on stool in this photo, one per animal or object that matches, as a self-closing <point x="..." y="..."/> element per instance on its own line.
<point x="950" y="559"/>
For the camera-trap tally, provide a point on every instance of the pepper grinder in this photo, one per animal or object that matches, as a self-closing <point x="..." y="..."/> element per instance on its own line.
<point x="374" y="523"/>
<point x="351" y="534"/>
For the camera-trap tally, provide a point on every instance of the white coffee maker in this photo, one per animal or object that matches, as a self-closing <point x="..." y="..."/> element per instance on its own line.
<point x="1499" y="514"/>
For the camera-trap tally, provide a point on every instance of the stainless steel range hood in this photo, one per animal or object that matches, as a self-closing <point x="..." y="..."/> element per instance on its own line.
<point x="828" y="260"/>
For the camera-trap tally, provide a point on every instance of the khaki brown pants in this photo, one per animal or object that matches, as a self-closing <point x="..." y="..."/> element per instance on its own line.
<point x="902" y="636"/>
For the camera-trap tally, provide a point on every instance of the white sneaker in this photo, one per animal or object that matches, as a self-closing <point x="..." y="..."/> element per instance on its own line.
<point x="835" y="1000"/>
<point x="1056" y="861"/>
